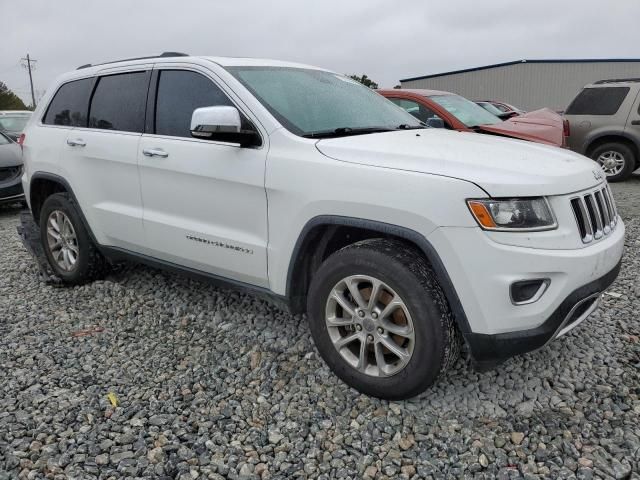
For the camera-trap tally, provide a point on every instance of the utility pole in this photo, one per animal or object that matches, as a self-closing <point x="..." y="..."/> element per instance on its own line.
<point x="30" y="65"/>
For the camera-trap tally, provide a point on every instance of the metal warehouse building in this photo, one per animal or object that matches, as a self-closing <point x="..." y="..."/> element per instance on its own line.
<point x="528" y="84"/>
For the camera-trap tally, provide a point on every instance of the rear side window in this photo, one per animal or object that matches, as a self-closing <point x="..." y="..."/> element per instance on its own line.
<point x="70" y="104"/>
<point x="119" y="101"/>
<point x="180" y="92"/>
<point x="598" y="101"/>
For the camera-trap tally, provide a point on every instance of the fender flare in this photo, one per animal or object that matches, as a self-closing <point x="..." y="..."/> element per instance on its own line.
<point x="62" y="181"/>
<point x="386" y="228"/>
<point x="607" y="133"/>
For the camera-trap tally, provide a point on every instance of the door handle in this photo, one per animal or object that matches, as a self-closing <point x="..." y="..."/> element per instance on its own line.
<point x="154" y="152"/>
<point x="635" y="122"/>
<point x="78" y="142"/>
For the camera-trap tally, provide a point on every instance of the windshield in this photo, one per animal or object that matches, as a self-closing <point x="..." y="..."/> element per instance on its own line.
<point x="4" y="140"/>
<point x="308" y="102"/>
<point x="13" y="124"/>
<point x="465" y="110"/>
<point x="491" y="108"/>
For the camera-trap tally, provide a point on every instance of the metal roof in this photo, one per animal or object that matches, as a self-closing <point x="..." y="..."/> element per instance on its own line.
<point x="516" y="62"/>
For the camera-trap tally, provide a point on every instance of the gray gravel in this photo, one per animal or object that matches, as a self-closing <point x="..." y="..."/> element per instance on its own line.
<point x="216" y="384"/>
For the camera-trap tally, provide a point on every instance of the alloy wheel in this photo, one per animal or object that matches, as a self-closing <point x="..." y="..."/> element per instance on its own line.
<point x="612" y="162"/>
<point x="370" y="326"/>
<point x="62" y="240"/>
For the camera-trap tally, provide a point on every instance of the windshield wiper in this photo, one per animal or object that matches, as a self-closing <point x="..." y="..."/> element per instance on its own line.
<point x="346" y="131"/>
<point x="406" y="126"/>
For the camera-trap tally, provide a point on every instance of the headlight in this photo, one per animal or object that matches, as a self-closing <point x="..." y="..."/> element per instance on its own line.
<point x="513" y="214"/>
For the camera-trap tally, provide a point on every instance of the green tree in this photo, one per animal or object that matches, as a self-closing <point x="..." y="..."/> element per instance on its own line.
<point x="366" y="81"/>
<point x="9" y="100"/>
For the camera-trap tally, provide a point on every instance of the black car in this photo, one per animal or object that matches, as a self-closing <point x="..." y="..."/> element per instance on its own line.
<point x="10" y="170"/>
<point x="12" y="123"/>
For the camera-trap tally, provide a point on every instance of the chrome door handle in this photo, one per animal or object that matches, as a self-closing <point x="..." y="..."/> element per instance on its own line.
<point x="78" y="142"/>
<point x="155" y="152"/>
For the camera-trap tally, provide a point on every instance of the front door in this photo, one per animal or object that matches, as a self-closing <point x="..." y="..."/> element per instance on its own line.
<point x="205" y="204"/>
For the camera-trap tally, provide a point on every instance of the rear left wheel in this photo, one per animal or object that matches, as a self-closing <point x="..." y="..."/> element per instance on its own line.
<point x="67" y="244"/>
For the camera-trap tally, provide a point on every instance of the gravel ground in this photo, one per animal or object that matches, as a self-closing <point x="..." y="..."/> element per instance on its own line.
<point x="215" y="384"/>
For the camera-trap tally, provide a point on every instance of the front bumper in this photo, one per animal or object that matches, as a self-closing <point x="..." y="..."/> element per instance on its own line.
<point x="482" y="271"/>
<point x="491" y="350"/>
<point x="11" y="192"/>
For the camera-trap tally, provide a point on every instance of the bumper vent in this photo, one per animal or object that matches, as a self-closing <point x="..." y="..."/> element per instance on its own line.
<point x="10" y="173"/>
<point x="595" y="213"/>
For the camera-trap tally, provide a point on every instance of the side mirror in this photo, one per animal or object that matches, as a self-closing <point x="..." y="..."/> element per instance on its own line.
<point x="224" y="124"/>
<point x="435" y="122"/>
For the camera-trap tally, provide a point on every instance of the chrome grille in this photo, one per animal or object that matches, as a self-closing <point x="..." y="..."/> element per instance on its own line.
<point x="595" y="213"/>
<point x="9" y="173"/>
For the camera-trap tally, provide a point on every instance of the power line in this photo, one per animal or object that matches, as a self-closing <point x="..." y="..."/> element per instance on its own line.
<point x="30" y="65"/>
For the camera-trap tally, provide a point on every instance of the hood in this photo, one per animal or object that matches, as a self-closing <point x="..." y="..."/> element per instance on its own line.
<point x="10" y="155"/>
<point x="502" y="167"/>
<point x="542" y="126"/>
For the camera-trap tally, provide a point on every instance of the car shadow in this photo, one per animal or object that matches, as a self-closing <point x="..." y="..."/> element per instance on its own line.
<point x="11" y="209"/>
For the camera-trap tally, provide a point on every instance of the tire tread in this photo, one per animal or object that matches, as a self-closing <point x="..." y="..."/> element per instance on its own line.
<point x="97" y="265"/>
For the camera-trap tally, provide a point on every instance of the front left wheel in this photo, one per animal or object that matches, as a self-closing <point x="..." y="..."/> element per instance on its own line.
<point x="380" y="319"/>
<point x="67" y="245"/>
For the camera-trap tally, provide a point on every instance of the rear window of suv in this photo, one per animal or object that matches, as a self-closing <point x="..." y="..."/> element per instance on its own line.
<point x="598" y="101"/>
<point x="70" y="104"/>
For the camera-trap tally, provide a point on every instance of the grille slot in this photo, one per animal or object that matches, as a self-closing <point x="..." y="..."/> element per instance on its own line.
<point x="595" y="213"/>
<point x="9" y="173"/>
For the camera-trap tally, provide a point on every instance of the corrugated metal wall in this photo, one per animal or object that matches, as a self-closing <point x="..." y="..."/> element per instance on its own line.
<point x="529" y="85"/>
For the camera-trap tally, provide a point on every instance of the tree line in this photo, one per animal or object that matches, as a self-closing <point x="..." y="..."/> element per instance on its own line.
<point x="9" y="100"/>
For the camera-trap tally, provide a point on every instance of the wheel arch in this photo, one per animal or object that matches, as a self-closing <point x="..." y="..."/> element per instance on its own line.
<point x="325" y="234"/>
<point x="612" y="137"/>
<point x="45" y="184"/>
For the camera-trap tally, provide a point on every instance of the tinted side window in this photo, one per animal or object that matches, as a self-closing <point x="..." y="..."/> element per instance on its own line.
<point x="119" y="101"/>
<point x="180" y="92"/>
<point x="598" y="101"/>
<point x="70" y="104"/>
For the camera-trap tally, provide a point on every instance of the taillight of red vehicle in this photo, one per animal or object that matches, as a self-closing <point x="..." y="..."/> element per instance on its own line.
<point x="566" y="131"/>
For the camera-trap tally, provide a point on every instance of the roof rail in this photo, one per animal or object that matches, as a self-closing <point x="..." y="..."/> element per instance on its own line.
<point x="616" y="80"/>
<point x="163" y="54"/>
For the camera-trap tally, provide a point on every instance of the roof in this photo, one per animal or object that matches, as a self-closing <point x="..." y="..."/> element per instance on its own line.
<point x="616" y="81"/>
<point x="516" y="62"/>
<point x="177" y="56"/>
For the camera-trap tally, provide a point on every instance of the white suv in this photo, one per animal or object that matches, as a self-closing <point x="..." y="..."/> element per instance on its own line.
<point x="298" y="183"/>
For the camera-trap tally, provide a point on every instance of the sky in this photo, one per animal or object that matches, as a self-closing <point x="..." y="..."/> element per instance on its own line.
<point x="385" y="40"/>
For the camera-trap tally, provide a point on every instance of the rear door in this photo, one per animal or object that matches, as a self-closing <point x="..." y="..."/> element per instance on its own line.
<point x="205" y="204"/>
<point x="45" y="139"/>
<point x="101" y="158"/>
<point x="597" y="109"/>
<point x="633" y="122"/>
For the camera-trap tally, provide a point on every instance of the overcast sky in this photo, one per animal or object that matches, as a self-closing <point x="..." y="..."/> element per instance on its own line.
<point x="387" y="40"/>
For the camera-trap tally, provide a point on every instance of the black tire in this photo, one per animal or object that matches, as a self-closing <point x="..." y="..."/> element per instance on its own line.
<point x="90" y="264"/>
<point x="623" y="150"/>
<point x="403" y="269"/>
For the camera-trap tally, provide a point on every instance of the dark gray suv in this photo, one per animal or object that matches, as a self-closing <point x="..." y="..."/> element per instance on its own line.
<point x="604" y="121"/>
